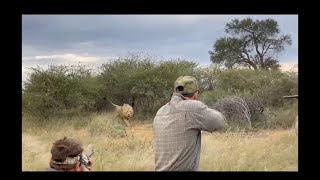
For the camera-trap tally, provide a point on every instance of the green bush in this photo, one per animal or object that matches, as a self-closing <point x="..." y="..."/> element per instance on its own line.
<point x="268" y="86"/>
<point x="261" y="90"/>
<point x="210" y="97"/>
<point x="142" y="82"/>
<point x="147" y="84"/>
<point x="59" y="90"/>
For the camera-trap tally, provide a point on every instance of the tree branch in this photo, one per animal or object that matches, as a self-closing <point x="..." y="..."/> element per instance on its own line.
<point x="247" y="60"/>
<point x="263" y="46"/>
<point x="247" y="30"/>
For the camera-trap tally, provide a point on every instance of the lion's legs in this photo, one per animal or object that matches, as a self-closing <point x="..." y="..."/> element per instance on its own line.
<point x="127" y="122"/>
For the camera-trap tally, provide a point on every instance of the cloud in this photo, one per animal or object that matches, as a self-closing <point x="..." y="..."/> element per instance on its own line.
<point x="118" y="31"/>
<point x="45" y="61"/>
<point x="289" y="67"/>
<point x="66" y="58"/>
<point x="91" y="38"/>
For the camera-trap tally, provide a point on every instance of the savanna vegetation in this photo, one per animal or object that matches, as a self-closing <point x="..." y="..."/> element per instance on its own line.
<point x="72" y="100"/>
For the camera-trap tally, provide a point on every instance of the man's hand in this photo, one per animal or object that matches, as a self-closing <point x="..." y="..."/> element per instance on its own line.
<point x="88" y="167"/>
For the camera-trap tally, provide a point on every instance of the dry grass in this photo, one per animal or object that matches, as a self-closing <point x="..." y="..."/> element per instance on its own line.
<point x="275" y="150"/>
<point x="119" y="148"/>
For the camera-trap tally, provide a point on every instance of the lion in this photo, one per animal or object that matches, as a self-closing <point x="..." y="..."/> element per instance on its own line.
<point x="125" y="112"/>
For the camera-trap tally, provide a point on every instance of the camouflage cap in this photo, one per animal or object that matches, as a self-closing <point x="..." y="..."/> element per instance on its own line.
<point x="186" y="85"/>
<point x="68" y="164"/>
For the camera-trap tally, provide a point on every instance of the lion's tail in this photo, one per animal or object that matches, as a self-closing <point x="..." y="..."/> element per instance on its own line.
<point x="113" y="104"/>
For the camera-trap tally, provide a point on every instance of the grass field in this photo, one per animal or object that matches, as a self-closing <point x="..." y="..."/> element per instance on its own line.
<point x="118" y="148"/>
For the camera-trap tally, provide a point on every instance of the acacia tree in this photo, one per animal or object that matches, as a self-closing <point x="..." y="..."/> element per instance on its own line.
<point x="253" y="44"/>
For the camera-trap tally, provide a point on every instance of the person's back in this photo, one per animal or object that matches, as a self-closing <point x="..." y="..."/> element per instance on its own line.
<point x="177" y="130"/>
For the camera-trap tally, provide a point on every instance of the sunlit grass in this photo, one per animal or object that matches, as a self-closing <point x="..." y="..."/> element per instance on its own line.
<point x="121" y="148"/>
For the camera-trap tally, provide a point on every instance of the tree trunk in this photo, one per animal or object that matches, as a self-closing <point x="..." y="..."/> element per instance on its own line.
<point x="253" y="65"/>
<point x="262" y="62"/>
<point x="259" y="54"/>
<point x="132" y="101"/>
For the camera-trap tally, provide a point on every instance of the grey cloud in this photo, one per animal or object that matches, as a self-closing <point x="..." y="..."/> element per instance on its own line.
<point x="61" y="31"/>
<point x="114" y="35"/>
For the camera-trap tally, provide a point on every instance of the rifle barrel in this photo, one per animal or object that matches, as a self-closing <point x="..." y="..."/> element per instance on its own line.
<point x="292" y="96"/>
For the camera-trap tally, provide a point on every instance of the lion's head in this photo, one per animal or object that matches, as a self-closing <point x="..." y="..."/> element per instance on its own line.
<point x="127" y="111"/>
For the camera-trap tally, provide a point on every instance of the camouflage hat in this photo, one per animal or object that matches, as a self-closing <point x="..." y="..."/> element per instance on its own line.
<point x="186" y="85"/>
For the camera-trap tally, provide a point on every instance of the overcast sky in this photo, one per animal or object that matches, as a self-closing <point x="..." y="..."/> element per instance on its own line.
<point x="93" y="39"/>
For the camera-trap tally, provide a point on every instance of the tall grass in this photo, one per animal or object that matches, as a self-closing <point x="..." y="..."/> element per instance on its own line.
<point x="121" y="148"/>
<point x="264" y="151"/>
<point x="281" y="117"/>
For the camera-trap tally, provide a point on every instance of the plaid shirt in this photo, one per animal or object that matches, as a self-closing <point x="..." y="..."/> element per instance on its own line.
<point x="177" y="132"/>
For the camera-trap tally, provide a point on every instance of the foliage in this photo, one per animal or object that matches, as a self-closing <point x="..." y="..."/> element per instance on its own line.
<point x="142" y="82"/>
<point x="147" y="85"/>
<point x="59" y="90"/>
<point x="252" y="44"/>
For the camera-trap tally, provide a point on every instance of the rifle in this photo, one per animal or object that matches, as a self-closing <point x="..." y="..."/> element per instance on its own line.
<point x="84" y="159"/>
<point x="291" y="96"/>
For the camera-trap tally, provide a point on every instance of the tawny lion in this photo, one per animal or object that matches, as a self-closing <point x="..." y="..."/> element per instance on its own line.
<point x="125" y="112"/>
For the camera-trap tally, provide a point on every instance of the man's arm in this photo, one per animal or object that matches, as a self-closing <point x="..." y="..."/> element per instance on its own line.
<point x="208" y="119"/>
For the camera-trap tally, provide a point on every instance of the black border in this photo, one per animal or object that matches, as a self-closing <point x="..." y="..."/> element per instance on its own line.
<point x="161" y="7"/>
<point x="147" y="7"/>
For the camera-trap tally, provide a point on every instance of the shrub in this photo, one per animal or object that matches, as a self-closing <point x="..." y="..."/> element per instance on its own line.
<point x="59" y="90"/>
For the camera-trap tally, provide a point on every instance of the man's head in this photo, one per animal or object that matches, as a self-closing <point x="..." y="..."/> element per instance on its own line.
<point x="187" y="86"/>
<point x="66" y="154"/>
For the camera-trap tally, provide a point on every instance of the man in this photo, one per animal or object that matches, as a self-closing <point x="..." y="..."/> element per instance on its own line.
<point x="178" y="126"/>
<point x="67" y="156"/>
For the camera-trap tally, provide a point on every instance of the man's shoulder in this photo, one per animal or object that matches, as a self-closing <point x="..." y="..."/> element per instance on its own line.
<point x="161" y="109"/>
<point x="193" y="103"/>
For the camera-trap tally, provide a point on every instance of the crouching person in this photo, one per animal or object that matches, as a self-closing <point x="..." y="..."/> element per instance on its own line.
<point x="67" y="155"/>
